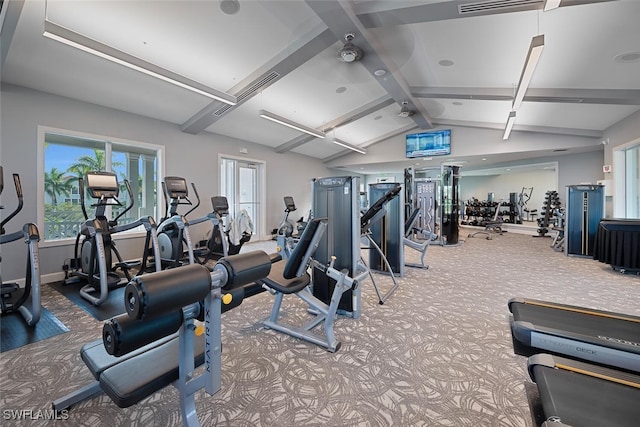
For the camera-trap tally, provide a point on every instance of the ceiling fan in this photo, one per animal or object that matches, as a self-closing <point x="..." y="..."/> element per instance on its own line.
<point x="350" y="52"/>
<point x="405" y="111"/>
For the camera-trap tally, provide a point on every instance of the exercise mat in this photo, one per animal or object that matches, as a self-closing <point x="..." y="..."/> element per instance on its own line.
<point x="16" y="333"/>
<point x="113" y="306"/>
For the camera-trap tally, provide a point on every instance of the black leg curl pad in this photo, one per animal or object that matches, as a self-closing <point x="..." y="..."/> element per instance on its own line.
<point x="122" y="334"/>
<point x="245" y="268"/>
<point x="157" y="293"/>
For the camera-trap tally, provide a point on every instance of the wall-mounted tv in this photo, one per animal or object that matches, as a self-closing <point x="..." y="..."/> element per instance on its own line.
<point x="427" y="144"/>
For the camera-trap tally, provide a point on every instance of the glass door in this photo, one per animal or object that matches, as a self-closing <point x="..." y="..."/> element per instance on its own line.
<point x="240" y="184"/>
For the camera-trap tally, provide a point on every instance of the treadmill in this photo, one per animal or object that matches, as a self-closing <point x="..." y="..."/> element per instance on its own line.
<point x="574" y="393"/>
<point x="605" y="338"/>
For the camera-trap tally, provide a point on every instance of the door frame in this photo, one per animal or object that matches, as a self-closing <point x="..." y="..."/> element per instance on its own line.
<point x="262" y="187"/>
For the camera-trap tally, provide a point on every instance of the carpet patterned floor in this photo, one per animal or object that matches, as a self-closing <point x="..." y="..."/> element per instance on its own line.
<point x="438" y="353"/>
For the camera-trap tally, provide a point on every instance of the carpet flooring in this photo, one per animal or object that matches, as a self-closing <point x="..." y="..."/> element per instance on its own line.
<point x="438" y="353"/>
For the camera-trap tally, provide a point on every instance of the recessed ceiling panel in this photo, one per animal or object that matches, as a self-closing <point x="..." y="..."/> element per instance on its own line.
<point x="245" y="123"/>
<point x="576" y="116"/>
<point x="370" y="127"/>
<point x="321" y="90"/>
<point x="192" y="38"/>
<point x="470" y="110"/>
<point x="319" y="148"/>
<point x="581" y="55"/>
<point x="39" y="63"/>
<point x="482" y="51"/>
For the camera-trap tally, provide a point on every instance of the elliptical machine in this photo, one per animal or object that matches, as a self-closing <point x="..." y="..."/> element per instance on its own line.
<point x="173" y="231"/>
<point x="28" y="302"/>
<point x="94" y="244"/>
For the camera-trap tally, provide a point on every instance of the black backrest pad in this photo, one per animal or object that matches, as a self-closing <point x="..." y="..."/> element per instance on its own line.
<point x="300" y="254"/>
<point x="411" y="221"/>
<point x="379" y="204"/>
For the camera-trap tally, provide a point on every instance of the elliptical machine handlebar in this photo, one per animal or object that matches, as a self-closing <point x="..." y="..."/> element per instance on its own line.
<point x="16" y="182"/>
<point x="81" y="191"/>
<point x="195" y="191"/>
<point x="114" y="221"/>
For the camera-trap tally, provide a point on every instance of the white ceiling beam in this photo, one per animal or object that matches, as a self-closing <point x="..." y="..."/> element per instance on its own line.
<point x="589" y="133"/>
<point x="9" y="17"/>
<point x="562" y="96"/>
<point x="341" y="19"/>
<point x="445" y="10"/>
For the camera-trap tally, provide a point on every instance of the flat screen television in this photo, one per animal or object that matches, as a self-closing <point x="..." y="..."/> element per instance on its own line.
<point x="427" y="144"/>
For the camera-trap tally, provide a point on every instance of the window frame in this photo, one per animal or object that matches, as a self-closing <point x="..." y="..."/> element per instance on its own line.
<point x="108" y="141"/>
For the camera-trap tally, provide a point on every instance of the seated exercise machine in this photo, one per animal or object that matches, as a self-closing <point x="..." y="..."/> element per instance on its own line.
<point x="574" y="393"/>
<point x="158" y="341"/>
<point x="290" y="277"/>
<point x="410" y="230"/>
<point x="606" y="338"/>
<point x="369" y="219"/>
<point x="492" y="227"/>
<point x="94" y="243"/>
<point x="27" y="303"/>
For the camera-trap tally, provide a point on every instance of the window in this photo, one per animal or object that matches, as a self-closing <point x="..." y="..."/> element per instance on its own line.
<point x="626" y="174"/>
<point x="68" y="156"/>
<point x="632" y="182"/>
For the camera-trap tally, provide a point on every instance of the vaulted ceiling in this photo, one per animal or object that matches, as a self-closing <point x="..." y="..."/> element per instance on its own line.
<point x="454" y="63"/>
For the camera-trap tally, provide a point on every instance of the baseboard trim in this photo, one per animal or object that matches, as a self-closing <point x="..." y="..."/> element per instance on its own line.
<point x="44" y="279"/>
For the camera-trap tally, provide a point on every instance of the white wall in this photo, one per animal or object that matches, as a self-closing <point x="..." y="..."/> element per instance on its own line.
<point x="192" y="156"/>
<point x="470" y="142"/>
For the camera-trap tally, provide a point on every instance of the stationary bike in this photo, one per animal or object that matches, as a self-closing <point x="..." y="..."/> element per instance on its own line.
<point x="27" y="302"/>
<point x="286" y="227"/>
<point x="94" y="245"/>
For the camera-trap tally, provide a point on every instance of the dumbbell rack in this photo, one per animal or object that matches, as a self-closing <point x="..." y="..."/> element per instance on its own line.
<point x="550" y="205"/>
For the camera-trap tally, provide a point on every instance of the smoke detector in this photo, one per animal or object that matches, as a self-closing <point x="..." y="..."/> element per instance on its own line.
<point x="349" y="52"/>
<point x="405" y="111"/>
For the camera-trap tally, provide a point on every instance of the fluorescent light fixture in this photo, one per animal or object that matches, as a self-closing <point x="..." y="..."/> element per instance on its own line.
<point x="551" y="4"/>
<point x="535" y="50"/>
<point x="349" y="146"/>
<point x="293" y="125"/>
<point x="86" y="44"/>
<point x="510" y="121"/>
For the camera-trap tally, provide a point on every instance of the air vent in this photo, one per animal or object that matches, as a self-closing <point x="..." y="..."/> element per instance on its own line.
<point x="496" y="6"/>
<point x="249" y="91"/>
<point x="556" y="99"/>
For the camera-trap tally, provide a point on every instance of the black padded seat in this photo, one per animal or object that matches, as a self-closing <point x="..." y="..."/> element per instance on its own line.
<point x="132" y="380"/>
<point x="97" y="359"/>
<point x="276" y="280"/>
